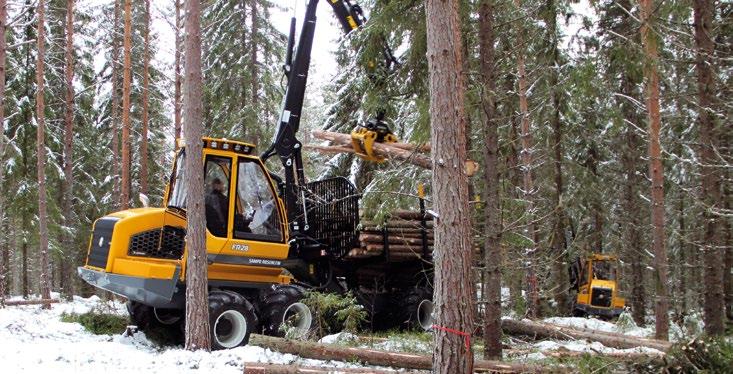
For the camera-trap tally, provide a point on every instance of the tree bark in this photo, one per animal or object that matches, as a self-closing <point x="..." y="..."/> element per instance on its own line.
<point x="262" y="368"/>
<point x="656" y="170"/>
<point x="552" y="331"/>
<point x="254" y="45"/>
<point x="453" y="237"/>
<point x="178" y="81"/>
<point x="4" y="279"/>
<point x="41" y="155"/>
<point x="126" y="83"/>
<point x="197" y="306"/>
<point x="68" y="182"/>
<point x="713" y="307"/>
<point x="146" y="98"/>
<point x="560" y="255"/>
<point x="115" y="112"/>
<point x="375" y="357"/>
<point x="44" y="301"/>
<point x="533" y="299"/>
<point x="492" y="214"/>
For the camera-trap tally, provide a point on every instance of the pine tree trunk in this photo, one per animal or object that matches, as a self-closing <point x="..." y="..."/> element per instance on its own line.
<point x="3" y="46"/>
<point x="254" y="45"/>
<point x="25" y="283"/>
<point x="453" y="238"/>
<point x="177" y="94"/>
<point x="68" y="182"/>
<point x="41" y="156"/>
<point x="709" y="138"/>
<point x="656" y="170"/>
<point x="5" y="274"/>
<point x="561" y="263"/>
<point x="492" y="211"/>
<point x="533" y="299"/>
<point x="197" y="306"/>
<point x="115" y="112"/>
<point x="146" y="98"/>
<point x="632" y="238"/>
<point x="126" y="83"/>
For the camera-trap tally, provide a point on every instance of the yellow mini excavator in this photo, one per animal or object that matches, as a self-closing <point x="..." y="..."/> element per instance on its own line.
<point x="269" y="238"/>
<point x="595" y="279"/>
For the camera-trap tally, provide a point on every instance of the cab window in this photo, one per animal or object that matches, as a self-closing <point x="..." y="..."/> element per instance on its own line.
<point x="257" y="216"/>
<point x="216" y="180"/>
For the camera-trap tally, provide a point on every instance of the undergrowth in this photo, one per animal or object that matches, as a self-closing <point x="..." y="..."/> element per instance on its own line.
<point x="334" y="313"/>
<point x="97" y="323"/>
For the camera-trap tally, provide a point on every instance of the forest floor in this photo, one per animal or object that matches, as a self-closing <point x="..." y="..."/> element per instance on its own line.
<point x="38" y="340"/>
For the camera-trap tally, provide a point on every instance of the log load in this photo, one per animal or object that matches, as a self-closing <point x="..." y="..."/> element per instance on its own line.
<point x="376" y="357"/>
<point x="552" y="331"/>
<point x="402" y="233"/>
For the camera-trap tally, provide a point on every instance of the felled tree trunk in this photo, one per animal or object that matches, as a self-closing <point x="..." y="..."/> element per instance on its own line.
<point x="374" y="357"/>
<point x="548" y="330"/>
<point x="260" y="368"/>
<point x="397" y="151"/>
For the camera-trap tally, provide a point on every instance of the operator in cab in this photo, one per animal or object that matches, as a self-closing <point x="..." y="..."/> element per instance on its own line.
<point x="217" y="209"/>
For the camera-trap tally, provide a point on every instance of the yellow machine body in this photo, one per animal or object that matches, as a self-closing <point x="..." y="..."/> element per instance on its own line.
<point x="598" y="291"/>
<point x="122" y="255"/>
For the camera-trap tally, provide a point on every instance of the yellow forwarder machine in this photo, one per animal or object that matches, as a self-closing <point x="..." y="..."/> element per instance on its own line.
<point x="595" y="279"/>
<point x="268" y="238"/>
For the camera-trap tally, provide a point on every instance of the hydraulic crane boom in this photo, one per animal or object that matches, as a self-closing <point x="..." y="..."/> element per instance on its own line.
<point x="285" y="143"/>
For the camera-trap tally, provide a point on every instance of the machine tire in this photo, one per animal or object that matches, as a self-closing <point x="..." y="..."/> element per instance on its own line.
<point x="164" y="330"/>
<point x="279" y="305"/>
<point x="231" y="319"/>
<point x="416" y="309"/>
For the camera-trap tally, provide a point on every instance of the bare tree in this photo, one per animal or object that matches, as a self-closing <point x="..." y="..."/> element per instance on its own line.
<point x="45" y="283"/>
<point x="710" y="182"/>
<point x="453" y="239"/>
<point x="146" y="97"/>
<point x="656" y="170"/>
<point x="68" y="182"/>
<point x="492" y="248"/>
<point x="197" y="306"/>
<point x="126" y="82"/>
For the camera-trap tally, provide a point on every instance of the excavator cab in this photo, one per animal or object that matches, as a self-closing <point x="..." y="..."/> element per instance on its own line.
<point x="595" y="280"/>
<point x="363" y="138"/>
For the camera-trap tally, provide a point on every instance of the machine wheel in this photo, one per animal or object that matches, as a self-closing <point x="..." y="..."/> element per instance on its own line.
<point x="417" y="309"/>
<point x="161" y="325"/>
<point x="283" y="305"/>
<point x="231" y="319"/>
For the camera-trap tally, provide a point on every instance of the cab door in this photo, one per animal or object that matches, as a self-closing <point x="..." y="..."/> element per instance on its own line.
<point x="258" y="234"/>
<point x="218" y="188"/>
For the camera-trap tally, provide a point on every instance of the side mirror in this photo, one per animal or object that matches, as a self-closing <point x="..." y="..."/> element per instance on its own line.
<point x="144" y="200"/>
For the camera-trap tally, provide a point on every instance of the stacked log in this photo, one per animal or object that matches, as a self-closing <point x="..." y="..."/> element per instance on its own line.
<point x="402" y="234"/>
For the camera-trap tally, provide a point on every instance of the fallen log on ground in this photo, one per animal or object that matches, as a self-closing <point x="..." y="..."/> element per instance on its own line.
<point x="376" y="357"/>
<point x="548" y="330"/>
<point x="383" y="150"/>
<point x="260" y="368"/>
<point x="30" y="302"/>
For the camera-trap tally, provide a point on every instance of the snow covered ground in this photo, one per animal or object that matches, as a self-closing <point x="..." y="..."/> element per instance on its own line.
<point x="36" y="341"/>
